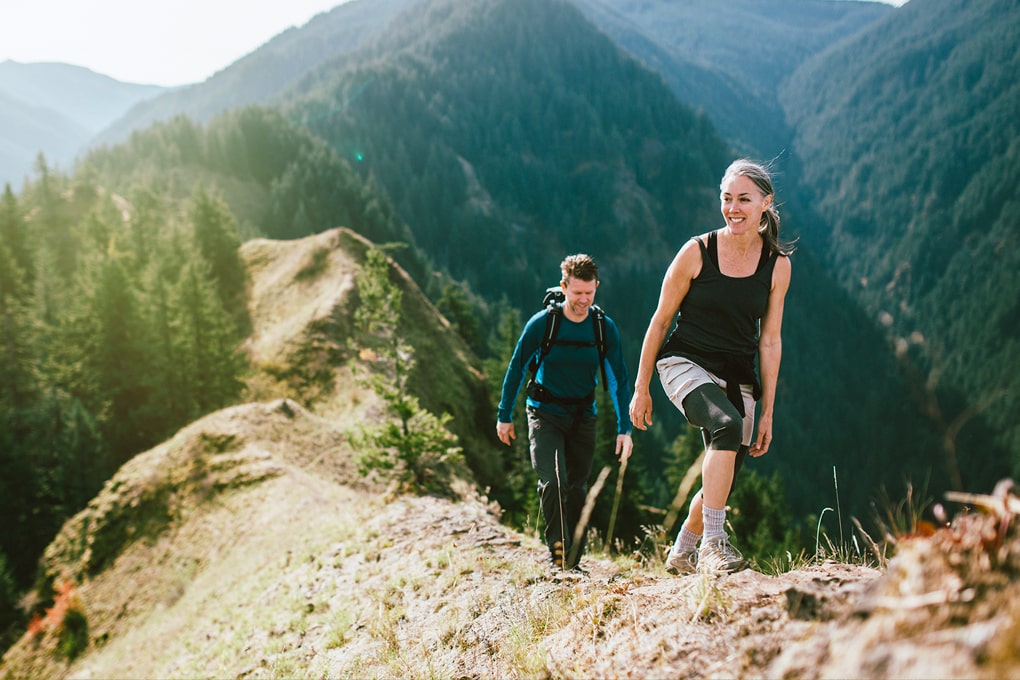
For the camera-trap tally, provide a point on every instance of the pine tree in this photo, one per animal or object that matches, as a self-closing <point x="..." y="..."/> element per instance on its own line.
<point x="217" y="238"/>
<point x="14" y="234"/>
<point x="415" y="445"/>
<point x="17" y="335"/>
<point x="204" y="344"/>
<point x="119" y="358"/>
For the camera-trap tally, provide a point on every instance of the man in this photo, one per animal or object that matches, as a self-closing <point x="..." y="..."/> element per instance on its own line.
<point x="561" y="404"/>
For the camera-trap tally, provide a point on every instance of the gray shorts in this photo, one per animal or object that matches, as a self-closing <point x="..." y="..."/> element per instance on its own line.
<point x="680" y="376"/>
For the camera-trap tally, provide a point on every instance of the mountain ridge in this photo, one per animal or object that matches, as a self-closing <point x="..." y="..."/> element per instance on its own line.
<point x="55" y="109"/>
<point x="911" y="153"/>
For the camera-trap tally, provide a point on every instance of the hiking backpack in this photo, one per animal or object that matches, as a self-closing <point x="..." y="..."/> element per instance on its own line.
<point x="553" y="303"/>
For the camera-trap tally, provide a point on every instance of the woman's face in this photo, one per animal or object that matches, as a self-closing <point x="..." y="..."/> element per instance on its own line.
<point x="742" y="204"/>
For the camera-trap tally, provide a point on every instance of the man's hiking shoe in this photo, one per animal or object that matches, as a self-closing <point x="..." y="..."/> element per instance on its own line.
<point x="718" y="556"/>
<point x="558" y="555"/>
<point x="682" y="563"/>
<point x="574" y="575"/>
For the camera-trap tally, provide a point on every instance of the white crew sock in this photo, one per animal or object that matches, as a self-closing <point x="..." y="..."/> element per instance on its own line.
<point x="715" y="521"/>
<point x="686" y="541"/>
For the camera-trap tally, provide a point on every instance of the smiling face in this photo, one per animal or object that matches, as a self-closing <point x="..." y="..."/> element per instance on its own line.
<point x="742" y="203"/>
<point x="580" y="296"/>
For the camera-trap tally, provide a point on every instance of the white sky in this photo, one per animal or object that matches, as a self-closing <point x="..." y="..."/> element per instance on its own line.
<point x="152" y="42"/>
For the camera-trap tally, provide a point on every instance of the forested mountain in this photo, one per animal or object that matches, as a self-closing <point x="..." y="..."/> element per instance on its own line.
<point x="122" y="300"/>
<point x="55" y="109"/>
<point x="729" y="58"/>
<point x="909" y="140"/>
<point x="265" y="73"/>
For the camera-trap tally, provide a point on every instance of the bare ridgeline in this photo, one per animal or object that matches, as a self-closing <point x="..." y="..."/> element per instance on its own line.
<point x="248" y="546"/>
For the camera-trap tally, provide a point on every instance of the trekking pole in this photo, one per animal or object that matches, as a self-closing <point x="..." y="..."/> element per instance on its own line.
<point x="616" y="503"/>
<point x="563" y="521"/>
<point x="589" y="504"/>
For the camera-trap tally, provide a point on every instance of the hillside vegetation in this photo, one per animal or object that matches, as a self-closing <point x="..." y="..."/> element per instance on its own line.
<point x="736" y="82"/>
<point x="909" y="138"/>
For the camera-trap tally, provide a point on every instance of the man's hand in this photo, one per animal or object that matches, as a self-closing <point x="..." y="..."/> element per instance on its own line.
<point x="624" y="446"/>
<point x="505" y="432"/>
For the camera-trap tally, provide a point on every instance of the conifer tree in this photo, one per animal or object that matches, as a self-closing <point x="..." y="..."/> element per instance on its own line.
<point x="414" y="445"/>
<point x="17" y="336"/>
<point x="217" y="238"/>
<point x="118" y="358"/>
<point x="204" y="344"/>
<point x="159" y="281"/>
<point x="14" y="234"/>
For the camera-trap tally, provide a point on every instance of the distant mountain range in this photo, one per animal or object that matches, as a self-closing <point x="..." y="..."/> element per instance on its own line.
<point x="56" y="110"/>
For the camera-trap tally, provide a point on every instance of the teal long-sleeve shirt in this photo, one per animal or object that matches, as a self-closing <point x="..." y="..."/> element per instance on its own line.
<point x="568" y="370"/>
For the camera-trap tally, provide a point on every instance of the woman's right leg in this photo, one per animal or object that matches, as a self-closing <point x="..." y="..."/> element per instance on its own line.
<point x="708" y="408"/>
<point x="694" y="521"/>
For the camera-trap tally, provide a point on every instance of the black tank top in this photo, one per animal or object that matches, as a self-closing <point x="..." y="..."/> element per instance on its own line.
<point x="717" y="326"/>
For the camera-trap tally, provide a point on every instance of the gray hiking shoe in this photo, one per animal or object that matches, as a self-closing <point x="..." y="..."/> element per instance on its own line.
<point x="718" y="556"/>
<point x="682" y="563"/>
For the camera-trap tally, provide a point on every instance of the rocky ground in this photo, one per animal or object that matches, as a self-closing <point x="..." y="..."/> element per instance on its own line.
<point x="268" y="564"/>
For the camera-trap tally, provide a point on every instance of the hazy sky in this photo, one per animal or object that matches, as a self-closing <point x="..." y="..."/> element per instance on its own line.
<point x="158" y="42"/>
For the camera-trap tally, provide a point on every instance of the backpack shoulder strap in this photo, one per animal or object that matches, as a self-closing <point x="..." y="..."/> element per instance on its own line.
<point x="553" y="316"/>
<point x="598" y="320"/>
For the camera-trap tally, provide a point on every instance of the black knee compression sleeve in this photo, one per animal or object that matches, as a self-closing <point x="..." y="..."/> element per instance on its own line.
<point x="708" y="408"/>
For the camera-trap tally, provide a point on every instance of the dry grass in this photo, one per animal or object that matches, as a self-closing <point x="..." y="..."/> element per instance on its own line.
<point x="304" y="574"/>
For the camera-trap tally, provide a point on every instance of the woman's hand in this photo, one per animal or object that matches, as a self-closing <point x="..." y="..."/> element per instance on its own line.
<point x="760" y="446"/>
<point x="641" y="410"/>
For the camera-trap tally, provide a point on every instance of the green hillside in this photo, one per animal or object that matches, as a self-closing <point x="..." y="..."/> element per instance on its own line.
<point x="700" y="48"/>
<point x="517" y="146"/>
<point x="909" y="140"/>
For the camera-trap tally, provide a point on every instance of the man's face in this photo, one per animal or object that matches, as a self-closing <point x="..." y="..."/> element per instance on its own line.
<point x="580" y="296"/>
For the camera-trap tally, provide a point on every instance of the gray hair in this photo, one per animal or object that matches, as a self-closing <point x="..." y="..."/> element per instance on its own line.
<point x="762" y="178"/>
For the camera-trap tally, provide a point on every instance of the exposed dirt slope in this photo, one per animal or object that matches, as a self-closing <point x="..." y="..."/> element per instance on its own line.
<point x="302" y="295"/>
<point x="270" y="564"/>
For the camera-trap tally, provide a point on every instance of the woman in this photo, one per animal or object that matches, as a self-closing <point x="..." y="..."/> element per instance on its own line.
<point x="728" y="287"/>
